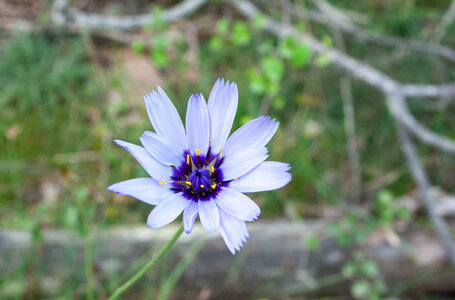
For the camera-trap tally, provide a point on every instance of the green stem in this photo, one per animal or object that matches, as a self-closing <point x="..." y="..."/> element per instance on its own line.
<point x="121" y="289"/>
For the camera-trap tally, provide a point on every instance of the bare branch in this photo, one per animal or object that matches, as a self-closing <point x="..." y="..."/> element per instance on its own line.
<point x="446" y="20"/>
<point x="365" y="73"/>
<point x="333" y="13"/>
<point x="391" y="41"/>
<point x="414" y="90"/>
<point x="421" y="179"/>
<point x="62" y="14"/>
<point x="400" y="110"/>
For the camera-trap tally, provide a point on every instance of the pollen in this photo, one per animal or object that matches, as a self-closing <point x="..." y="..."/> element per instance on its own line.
<point x="197" y="152"/>
<point x="187" y="159"/>
<point x="162" y="182"/>
<point x="202" y="186"/>
<point x="213" y="186"/>
<point x="213" y="169"/>
<point x="188" y="182"/>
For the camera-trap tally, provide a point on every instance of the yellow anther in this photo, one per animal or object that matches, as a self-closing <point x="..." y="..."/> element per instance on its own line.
<point x="213" y="185"/>
<point x="236" y="178"/>
<point x="187" y="159"/>
<point x="213" y="169"/>
<point x="197" y="152"/>
<point x="162" y="182"/>
<point x="202" y="186"/>
<point x="188" y="182"/>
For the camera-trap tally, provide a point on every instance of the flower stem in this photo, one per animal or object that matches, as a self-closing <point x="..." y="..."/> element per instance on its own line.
<point x="121" y="289"/>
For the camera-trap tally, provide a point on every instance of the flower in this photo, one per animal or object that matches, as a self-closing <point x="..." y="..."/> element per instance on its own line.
<point x="200" y="171"/>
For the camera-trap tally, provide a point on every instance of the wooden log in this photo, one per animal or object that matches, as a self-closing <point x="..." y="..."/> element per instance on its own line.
<point x="275" y="253"/>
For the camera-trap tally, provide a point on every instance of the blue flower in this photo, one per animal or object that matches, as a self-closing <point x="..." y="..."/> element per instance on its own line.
<point x="202" y="171"/>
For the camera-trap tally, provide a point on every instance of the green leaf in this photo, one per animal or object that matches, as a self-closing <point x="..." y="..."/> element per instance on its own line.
<point x="323" y="60"/>
<point x="301" y="55"/>
<point x="403" y="213"/>
<point x="157" y="12"/>
<point x="312" y="242"/>
<point x="222" y="26"/>
<point x="257" y="82"/>
<point x="286" y="46"/>
<point x="349" y="270"/>
<point x="138" y="47"/>
<point x="159" y="57"/>
<point x="370" y="269"/>
<point x="360" y="289"/>
<point x="241" y="34"/>
<point x="327" y="40"/>
<point x="273" y="68"/>
<point x="259" y="21"/>
<point x="215" y="43"/>
<point x="159" y="42"/>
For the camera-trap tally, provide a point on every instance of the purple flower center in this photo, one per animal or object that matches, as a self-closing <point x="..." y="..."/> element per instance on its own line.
<point x="201" y="180"/>
<point x="198" y="177"/>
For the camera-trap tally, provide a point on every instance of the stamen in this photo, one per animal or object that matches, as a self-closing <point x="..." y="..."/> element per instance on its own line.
<point x="187" y="159"/>
<point x="188" y="182"/>
<point x="197" y="152"/>
<point x="213" y="186"/>
<point x="213" y="169"/>
<point x="202" y="186"/>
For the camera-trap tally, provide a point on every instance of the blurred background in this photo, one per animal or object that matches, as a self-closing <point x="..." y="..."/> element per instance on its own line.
<point x="356" y="222"/>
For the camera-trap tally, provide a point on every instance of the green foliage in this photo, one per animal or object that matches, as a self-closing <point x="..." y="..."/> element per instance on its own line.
<point x="273" y="68"/>
<point x="222" y="26"/>
<point x="241" y="34"/>
<point x="138" y="47"/>
<point x="298" y="53"/>
<point x="387" y="210"/>
<point x="31" y="77"/>
<point x="365" y="276"/>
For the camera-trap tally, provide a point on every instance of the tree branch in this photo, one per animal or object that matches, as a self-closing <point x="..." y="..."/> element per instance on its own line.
<point x="349" y="27"/>
<point x="446" y="20"/>
<point x="64" y="15"/>
<point x="367" y="74"/>
<point x="421" y="179"/>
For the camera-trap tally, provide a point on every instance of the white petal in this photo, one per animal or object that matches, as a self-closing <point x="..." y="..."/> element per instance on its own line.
<point x="269" y="175"/>
<point x="153" y="167"/>
<point x="209" y="215"/>
<point x="165" y="119"/>
<point x="222" y="106"/>
<point x="160" y="150"/>
<point x="167" y="211"/>
<point x="256" y="133"/>
<point x="233" y="231"/>
<point x="237" y="205"/>
<point x="147" y="190"/>
<point x="189" y="216"/>
<point x="240" y="163"/>
<point x="197" y="124"/>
